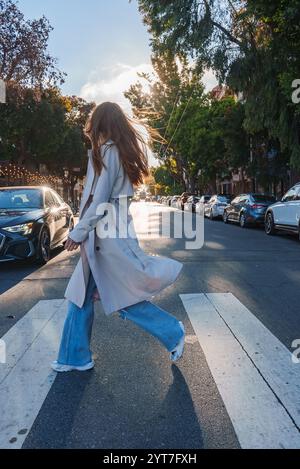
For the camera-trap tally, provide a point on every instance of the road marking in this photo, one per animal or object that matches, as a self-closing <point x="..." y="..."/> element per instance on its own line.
<point x="26" y="378"/>
<point x="253" y="370"/>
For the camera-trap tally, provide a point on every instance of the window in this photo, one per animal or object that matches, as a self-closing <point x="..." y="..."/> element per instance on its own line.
<point x="13" y="199"/>
<point x="297" y="196"/>
<point x="263" y="198"/>
<point x="57" y="198"/>
<point x="236" y="200"/>
<point x="243" y="199"/>
<point x="224" y="199"/>
<point x="49" y="200"/>
<point x="290" y="195"/>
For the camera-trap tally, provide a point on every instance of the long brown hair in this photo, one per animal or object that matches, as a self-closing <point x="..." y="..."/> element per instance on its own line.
<point x="109" y="122"/>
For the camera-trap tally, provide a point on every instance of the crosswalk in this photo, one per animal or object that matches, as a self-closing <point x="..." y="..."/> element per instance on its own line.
<point x="254" y="372"/>
<point x="26" y="378"/>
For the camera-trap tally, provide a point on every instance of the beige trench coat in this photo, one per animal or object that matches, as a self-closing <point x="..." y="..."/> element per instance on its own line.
<point x="123" y="272"/>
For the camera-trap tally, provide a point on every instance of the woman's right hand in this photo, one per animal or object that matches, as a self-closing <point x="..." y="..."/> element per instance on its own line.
<point x="71" y="245"/>
<point x="96" y="296"/>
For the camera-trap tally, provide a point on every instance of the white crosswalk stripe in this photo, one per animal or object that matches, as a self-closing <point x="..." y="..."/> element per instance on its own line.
<point x="26" y="377"/>
<point x="253" y="370"/>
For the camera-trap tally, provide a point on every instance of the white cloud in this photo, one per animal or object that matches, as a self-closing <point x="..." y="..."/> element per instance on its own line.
<point x="109" y="84"/>
<point x="121" y="76"/>
<point x="209" y="80"/>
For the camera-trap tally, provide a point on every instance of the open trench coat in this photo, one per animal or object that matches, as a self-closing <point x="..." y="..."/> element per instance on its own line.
<point x="123" y="272"/>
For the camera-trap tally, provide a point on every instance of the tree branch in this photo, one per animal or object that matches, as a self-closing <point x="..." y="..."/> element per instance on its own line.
<point x="225" y="31"/>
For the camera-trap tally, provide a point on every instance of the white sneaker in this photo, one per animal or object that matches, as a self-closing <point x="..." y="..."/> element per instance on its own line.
<point x="178" y="351"/>
<point x="61" y="368"/>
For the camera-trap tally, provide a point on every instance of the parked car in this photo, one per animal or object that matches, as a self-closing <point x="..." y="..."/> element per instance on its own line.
<point x="191" y="203"/>
<point x="248" y="209"/>
<point x="201" y="203"/>
<point x="182" y="200"/>
<point x="214" y="208"/>
<point x="33" y="221"/>
<point x="174" y="201"/>
<point x="284" y="215"/>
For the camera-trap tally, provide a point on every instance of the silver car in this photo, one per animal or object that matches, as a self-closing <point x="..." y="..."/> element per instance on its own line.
<point x="216" y="205"/>
<point x="174" y="201"/>
<point x="284" y="215"/>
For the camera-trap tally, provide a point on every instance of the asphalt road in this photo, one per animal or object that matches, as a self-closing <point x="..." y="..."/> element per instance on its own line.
<point x="135" y="397"/>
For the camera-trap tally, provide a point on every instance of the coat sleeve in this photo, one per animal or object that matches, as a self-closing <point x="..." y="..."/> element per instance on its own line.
<point x="101" y="195"/>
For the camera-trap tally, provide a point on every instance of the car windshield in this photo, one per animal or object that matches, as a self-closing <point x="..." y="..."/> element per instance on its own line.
<point x="14" y="199"/>
<point x="264" y="198"/>
<point x="224" y="198"/>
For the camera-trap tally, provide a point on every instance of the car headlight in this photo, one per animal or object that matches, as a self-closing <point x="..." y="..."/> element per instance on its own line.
<point x="23" y="229"/>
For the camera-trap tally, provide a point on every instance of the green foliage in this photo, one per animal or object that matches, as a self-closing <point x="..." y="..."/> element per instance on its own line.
<point x="43" y="127"/>
<point x="253" y="45"/>
<point x="166" y="184"/>
<point x="203" y="136"/>
<point x="37" y="124"/>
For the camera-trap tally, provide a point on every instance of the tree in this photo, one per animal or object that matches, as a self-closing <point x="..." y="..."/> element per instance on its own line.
<point x="37" y="124"/>
<point x="175" y="85"/>
<point x="252" y="45"/>
<point x="47" y="130"/>
<point x="204" y="137"/>
<point x="23" y="49"/>
<point x="165" y="183"/>
<point x="206" y="30"/>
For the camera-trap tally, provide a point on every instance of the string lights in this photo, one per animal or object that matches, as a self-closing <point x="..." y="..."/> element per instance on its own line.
<point x="19" y="174"/>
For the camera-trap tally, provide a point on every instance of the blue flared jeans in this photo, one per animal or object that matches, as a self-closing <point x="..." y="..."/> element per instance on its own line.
<point x="75" y="342"/>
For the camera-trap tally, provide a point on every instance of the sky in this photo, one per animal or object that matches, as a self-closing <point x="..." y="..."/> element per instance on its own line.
<point x="100" y="44"/>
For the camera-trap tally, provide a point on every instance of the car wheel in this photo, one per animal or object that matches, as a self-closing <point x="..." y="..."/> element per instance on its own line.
<point x="211" y="215"/>
<point x="269" y="224"/>
<point x="43" y="249"/>
<point x="225" y="217"/>
<point x="243" y="220"/>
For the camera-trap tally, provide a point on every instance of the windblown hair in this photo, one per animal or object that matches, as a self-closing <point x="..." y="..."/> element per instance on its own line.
<point x="109" y="122"/>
